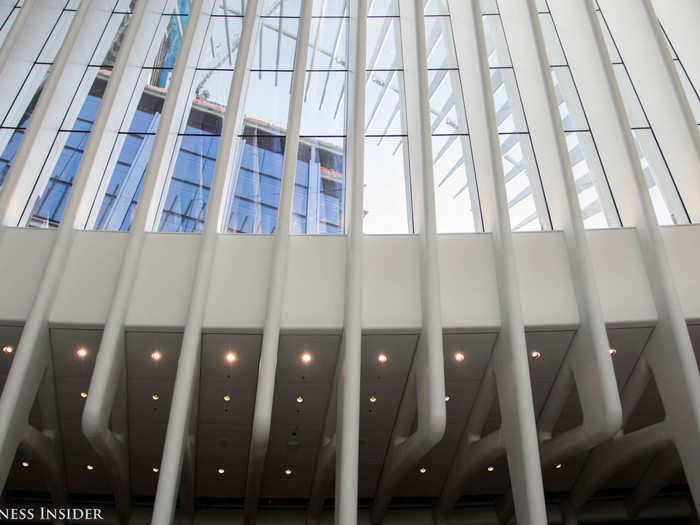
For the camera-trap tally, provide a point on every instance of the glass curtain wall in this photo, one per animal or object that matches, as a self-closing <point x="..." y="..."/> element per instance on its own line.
<point x="9" y="9"/>
<point x="183" y="204"/>
<point x="121" y="183"/>
<point x="689" y="88"/>
<point x="526" y="201"/>
<point x="319" y="186"/>
<point x="51" y="190"/>
<point x="257" y="174"/>
<point x="667" y="203"/>
<point x="387" y="182"/>
<point x="596" y="201"/>
<point x="456" y="194"/>
<point x="14" y="123"/>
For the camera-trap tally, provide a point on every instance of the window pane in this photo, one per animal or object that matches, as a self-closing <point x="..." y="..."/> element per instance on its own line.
<point x="496" y="46"/>
<point x="441" y="48"/>
<point x="383" y="44"/>
<point x="570" y="109"/>
<point x="387" y="189"/>
<point x="506" y="98"/>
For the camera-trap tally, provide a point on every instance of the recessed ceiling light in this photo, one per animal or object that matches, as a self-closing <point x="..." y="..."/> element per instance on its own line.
<point x="422" y="470"/>
<point x="447" y="398"/>
<point x="300" y="399"/>
<point x="613" y="351"/>
<point x="288" y="472"/>
<point x="372" y="399"/>
<point x="231" y="357"/>
<point x="7" y="349"/>
<point x="220" y="470"/>
<point x="382" y="358"/>
<point x="558" y="467"/>
<point x="81" y="353"/>
<point x="25" y="464"/>
<point x="90" y="467"/>
<point x="155" y="397"/>
<point x="490" y="469"/>
<point x="306" y="358"/>
<point x="535" y="354"/>
<point x="156" y="470"/>
<point x="227" y="398"/>
<point x="83" y="394"/>
<point x="156" y="355"/>
<point x="459" y="357"/>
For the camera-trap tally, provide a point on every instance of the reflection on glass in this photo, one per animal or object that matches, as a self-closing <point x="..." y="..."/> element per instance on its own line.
<point x="119" y="193"/>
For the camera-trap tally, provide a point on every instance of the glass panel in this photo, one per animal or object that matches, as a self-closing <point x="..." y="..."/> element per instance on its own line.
<point x="330" y="8"/>
<point x="441" y="48"/>
<point x="664" y="195"/>
<point x="570" y="109"/>
<point x="635" y="113"/>
<point x="58" y="34"/>
<point x="526" y="203"/>
<point x="267" y="99"/>
<point x="275" y="45"/>
<point x="319" y="191"/>
<point x="489" y="7"/>
<point x="447" y="114"/>
<point x="384" y="8"/>
<point x="690" y="93"/>
<point x="541" y="5"/>
<point x="256" y="196"/>
<point x="281" y="8"/>
<point x="384" y="109"/>
<point x="323" y="110"/>
<point x="597" y="206"/>
<point x="436" y="7"/>
<point x="555" y="53"/>
<point x="221" y="43"/>
<point x="328" y="44"/>
<point x="496" y="46"/>
<point x="607" y="38"/>
<point x="456" y="196"/>
<point x="383" y="44"/>
<point x="7" y="20"/>
<point x="387" y="186"/>
<point x="510" y="116"/>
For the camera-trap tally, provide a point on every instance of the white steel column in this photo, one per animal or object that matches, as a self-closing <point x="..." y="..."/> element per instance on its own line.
<point x="348" y="418"/>
<point x="588" y="359"/>
<point x="342" y="427"/>
<point x="507" y="376"/>
<point x="273" y="316"/>
<point x="424" y="397"/>
<point x="185" y="393"/>
<point x="643" y="49"/>
<point x="33" y="354"/>
<point x="669" y="353"/>
<point x="110" y="364"/>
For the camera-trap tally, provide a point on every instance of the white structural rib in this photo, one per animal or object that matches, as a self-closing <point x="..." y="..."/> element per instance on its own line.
<point x="424" y="397"/>
<point x="33" y="354"/>
<point x="668" y="354"/>
<point x="180" y="436"/>
<point x="507" y="376"/>
<point x="342" y="427"/>
<point x="587" y="365"/>
<point x="110" y="364"/>
<point x="273" y="316"/>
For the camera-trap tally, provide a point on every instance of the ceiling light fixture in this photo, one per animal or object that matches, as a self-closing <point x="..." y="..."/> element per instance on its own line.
<point x="491" y="469"/>
<point x="7" y="349"/>
<point x="90" y="467"/>
<point x="155" y="397"/>
<point x="306" y="358"/>
<point x="459" y="357"/>
<point x="300" y="399"/>
<point x="447" y="398"/>
<point x="382" y="358"/>
<point x="535" y="354"/>
<point x="25" y="464"/>
<point x="422" y="470"/>
<point x="156" y="470"/>
<point x="231" y="357"/>
<point x="220" y="470"/>
<point x="81" y="353"/>
<point x="227" y="398"/>
<point x="83" y="394"/>
<point x="372" y="399"/>
<point x="558" y="467"/>
<point x="288" y="472"/>
<point x="612" y="352"/>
